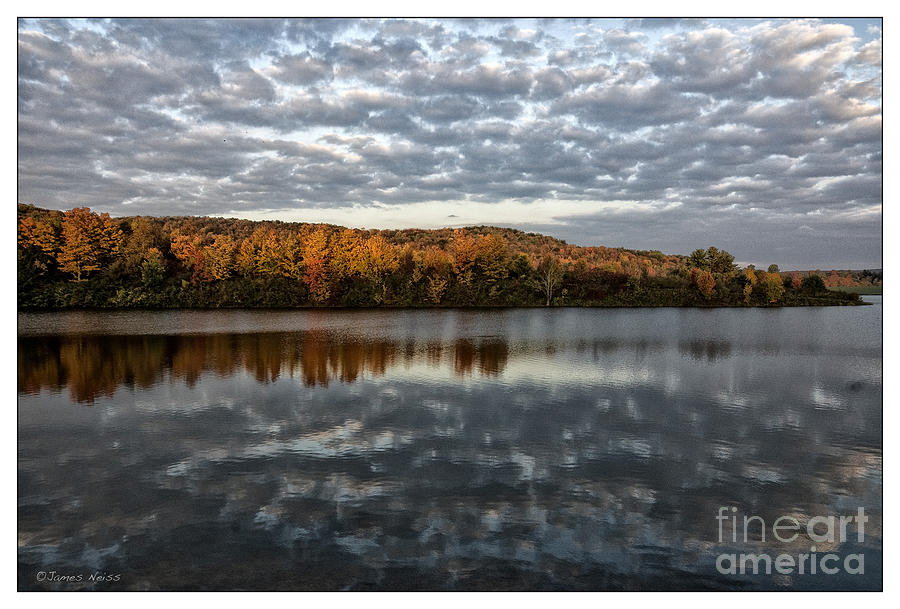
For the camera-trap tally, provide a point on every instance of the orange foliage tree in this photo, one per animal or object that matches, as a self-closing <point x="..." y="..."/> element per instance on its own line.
<point x="706" y="283"/>
<point x="188" y="250"/>
<point x="40" y="237"/>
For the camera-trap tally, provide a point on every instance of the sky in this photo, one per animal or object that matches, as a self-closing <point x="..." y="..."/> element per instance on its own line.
<point x="759" y="136"/>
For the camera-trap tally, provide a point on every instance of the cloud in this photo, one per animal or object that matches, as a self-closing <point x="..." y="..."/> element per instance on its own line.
<point x="627" y="43"/>
<point x="302" y="69"/>
<point x="622" y="106"/>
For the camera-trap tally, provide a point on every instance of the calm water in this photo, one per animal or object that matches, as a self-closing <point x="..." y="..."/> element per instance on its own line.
<point x="567" y="449"/>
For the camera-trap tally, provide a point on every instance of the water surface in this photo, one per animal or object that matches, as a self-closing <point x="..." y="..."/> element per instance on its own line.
<point x="525" y="449"/>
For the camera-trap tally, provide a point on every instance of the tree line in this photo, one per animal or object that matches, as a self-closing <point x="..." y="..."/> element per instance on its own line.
<point x="80" y="258"/>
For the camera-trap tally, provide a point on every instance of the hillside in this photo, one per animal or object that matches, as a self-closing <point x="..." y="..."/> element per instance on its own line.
<point x="82" y="259"/>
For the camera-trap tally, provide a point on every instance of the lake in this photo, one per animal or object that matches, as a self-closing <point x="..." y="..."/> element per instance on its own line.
<point x="516" y="449"/>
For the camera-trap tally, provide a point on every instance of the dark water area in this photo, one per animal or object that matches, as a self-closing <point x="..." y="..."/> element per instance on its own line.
<point x="521" y="449"/>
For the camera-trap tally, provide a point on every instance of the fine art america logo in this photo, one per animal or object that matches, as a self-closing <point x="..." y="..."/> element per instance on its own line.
<point x="787" y="531"/>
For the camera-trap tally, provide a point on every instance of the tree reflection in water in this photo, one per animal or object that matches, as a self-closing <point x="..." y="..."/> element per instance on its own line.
<point x="90" y="366"/>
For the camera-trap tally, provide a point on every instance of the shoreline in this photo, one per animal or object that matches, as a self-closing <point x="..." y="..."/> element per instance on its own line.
<point x="438" y="308"/>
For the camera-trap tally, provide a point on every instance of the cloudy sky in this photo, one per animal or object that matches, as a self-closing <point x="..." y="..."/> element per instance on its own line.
<point x="763" y="137"/>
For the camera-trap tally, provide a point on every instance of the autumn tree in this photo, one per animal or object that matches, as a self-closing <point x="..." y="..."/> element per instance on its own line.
<point x="245" y="258"/>
<point x="188" y="250"/>
<point x="379" y="261"/>
<point x="144" y="234"/>
<point x="436" y="264"/>
<point x="270" y="254"/>
<point x="465" y="257"/>
<point x="218" y="258"/>
<point x="316" y="265"/>
<point x="751" y="279"/>
<point x="40" y="240"/>
<point x="706" y="283"/>
<point x="772" y="286"/>
<point x="39" y="234"/>
<point x="347" y="255"/>
<point x="88" y="240"/>
<point x="290" y="256"/>
<point x="492" y="258"/>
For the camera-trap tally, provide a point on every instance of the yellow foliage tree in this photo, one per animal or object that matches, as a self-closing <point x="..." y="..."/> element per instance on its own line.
<point x="268" y="253"/>
<point x="218" y="258"/>
<point x="380" y="260"/>
<point x="436" y="267"/>
<point x="245" y="260"/>
<point x="751" y="276"/>
<point x="772" y="285"/>
<point x="347" y="253"/>
<point x="290" y="256"/>
<point x="465" y="256"/>
<point x="491" y="254"/>
<point x="88" y="240"/>
<point x="316" y="265"/>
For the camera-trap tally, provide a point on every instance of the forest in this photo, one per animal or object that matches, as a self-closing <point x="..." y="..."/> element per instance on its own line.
<point x="82" y="259"/>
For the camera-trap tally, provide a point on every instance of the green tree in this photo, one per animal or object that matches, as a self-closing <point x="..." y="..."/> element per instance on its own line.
<point x="697" y="259"/>
<point x="720" y="261"/>
<point x="813" y="283"/>
<point x="712" y="259"/>
<point x="153" y="269"/>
